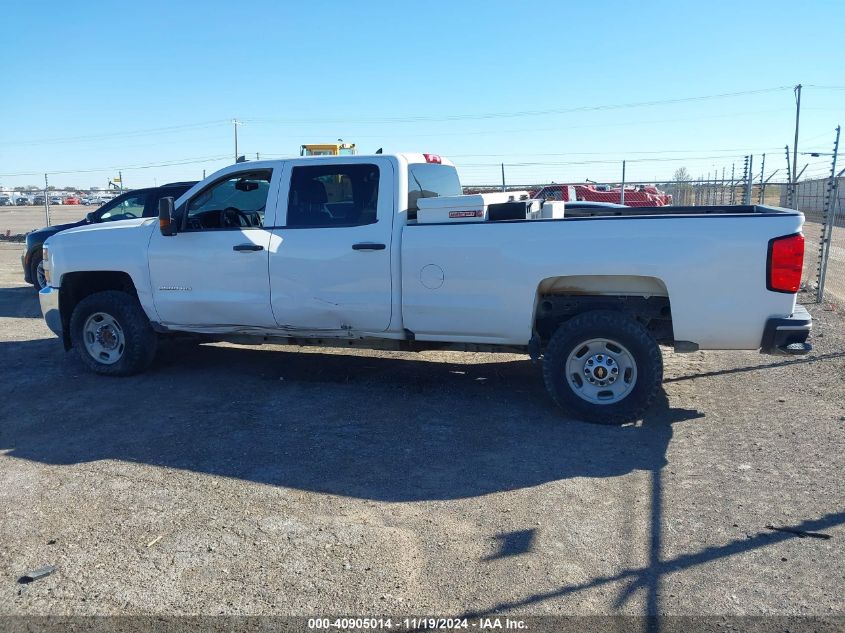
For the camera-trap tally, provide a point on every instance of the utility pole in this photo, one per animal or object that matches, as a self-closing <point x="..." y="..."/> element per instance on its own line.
<point x="236" y="123"/>
<point x="622" y="188"/>
<point x="503" y="176"/>
<point x="762" y="175"/>
<point x="795" y="145"/>
<point x="120" y="178"/>
<point x="256" y="156"/>
<point x="46" y="200"/>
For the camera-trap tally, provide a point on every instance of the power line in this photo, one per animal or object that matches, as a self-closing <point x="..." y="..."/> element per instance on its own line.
<point x="110" y="135"/>
<point x="827" y="134"/>
<point x="624" y="153"/>
<point x="464" y="133"/>
<point x="207" y="159"/>
<point x="173" y="163"/>
<point x="527" y="113"/>
<point x="618" y="153"/>
<point x="599" y="162"/>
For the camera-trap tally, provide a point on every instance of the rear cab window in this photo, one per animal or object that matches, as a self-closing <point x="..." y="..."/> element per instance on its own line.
<point x="430" y="180"/>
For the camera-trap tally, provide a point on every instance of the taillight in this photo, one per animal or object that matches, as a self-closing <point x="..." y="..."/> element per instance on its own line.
<point x="432" y="158"/>
<point x="785" y="262"/>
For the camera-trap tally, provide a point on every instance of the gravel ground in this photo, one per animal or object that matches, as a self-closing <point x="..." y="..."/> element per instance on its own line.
<point x="20" y="220"/>
<point x="259" y="480"/>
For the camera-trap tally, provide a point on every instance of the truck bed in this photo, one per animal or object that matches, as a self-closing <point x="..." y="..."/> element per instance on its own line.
<point x="722" y="209"/>
<point x="485" y="277"/>
<point x="651" y="212"/>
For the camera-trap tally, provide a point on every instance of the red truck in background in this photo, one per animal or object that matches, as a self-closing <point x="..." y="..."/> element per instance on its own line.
<point x="635" y="196"/>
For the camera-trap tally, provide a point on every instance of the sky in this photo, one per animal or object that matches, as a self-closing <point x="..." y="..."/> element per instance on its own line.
<point x="556" y="91"/>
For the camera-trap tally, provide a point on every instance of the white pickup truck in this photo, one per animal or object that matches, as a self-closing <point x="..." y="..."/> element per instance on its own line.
<point x="351" y="251"/>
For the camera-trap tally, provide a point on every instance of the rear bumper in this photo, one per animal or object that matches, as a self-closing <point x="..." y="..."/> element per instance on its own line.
<point x="49" y="299"/>
<point x="788" y="335"/>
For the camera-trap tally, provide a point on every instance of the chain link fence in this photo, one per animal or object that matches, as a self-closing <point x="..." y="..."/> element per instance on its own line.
<point x="821" y="200"/>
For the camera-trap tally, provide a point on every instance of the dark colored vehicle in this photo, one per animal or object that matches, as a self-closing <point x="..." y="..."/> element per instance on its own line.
<point x="132" y="204"/>
<point x="38" y="200"/>
<point x="21" y="201"/>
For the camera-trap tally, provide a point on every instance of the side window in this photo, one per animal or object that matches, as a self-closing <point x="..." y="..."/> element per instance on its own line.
<point x="237" y="202"/>
<point x="333" y="195"/>
<point x="129" y="207"/>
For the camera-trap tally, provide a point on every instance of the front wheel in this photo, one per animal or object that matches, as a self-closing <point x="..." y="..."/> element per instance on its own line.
<point x="112" y="335"/>
<point x="36" y="271"/>
<point x="603" y="366"/>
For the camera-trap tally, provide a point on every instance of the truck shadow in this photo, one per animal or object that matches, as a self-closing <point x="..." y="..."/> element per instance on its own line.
<point x="19" y="302"/>
<point x="384" y="427"/>
<point x="380" y="427"/>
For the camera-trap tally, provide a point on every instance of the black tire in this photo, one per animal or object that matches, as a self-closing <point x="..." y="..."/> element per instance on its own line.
<point x="34" y="262"/>
<point x="614" y="326"/>
<point x="140" y="340"/>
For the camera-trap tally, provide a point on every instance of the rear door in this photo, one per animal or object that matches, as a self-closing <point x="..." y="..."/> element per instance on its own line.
<point x="330" y="253"/>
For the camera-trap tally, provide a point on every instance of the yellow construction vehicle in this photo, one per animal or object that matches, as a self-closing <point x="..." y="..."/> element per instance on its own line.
<point x="328" y="149"/>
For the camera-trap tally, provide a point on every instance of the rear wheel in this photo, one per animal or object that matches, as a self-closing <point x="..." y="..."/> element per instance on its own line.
<point x="112" y="335"/>
<point x="603" y="366"/>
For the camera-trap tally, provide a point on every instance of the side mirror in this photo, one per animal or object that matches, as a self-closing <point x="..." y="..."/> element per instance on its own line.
<point x="91" y="217"/>
<point x="165" y="217"/>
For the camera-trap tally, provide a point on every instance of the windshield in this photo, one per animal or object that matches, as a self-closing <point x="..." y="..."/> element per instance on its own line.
<point x="126" y="207"/>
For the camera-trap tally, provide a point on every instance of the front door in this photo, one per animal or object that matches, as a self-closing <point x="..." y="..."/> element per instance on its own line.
<point x="330" y="260"/>
<point x="213" y="273"/>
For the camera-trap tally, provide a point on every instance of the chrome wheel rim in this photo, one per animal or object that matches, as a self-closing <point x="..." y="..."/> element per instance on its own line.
<point x="39" y="275"/>
<point x="601" y="371"/>
<point x="103" y="338"/>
